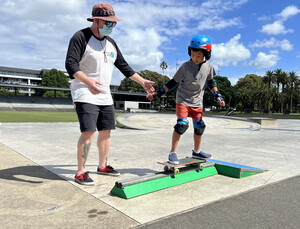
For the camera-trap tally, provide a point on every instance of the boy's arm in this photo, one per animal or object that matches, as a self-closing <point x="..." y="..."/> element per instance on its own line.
<point x="171" y="84"/>
<point x="212" y="85"/>
<point x="218" y="96"/>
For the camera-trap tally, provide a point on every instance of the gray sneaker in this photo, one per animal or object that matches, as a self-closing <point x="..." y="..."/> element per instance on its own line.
<point x="201" y="155"/>
<point x="173" y="159"/>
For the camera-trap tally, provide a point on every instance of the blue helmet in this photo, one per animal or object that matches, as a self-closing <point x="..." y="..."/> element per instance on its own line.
<point x="202" y="42"/>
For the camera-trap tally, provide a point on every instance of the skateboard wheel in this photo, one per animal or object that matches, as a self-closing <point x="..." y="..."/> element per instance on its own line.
<point x="166" y="168"/>
<point x="176" y="171"/>
<point x="201" y="166"/>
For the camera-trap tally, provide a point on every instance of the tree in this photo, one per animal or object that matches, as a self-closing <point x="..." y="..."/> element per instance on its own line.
<point x="269" y="78"/>
<point x="247" y="91"/>
<point x="277" y="77"/>
<point x="129" y="85"/>
<point x="225" y="88"/>
<point x="163" y="66"/>
<point x="281" y="79"/>
<point x="293" y="81"/>
<point x="284" y="82"/>
<point x="55" y="78"/>
<point x="269" y="94"/>
<point x="160" y="80"/>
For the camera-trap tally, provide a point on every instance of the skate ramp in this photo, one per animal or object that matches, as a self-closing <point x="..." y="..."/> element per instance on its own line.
<point x="146" y="121"/>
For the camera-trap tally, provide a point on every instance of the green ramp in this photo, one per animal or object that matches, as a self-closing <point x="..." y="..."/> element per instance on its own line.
<point x="139" y="186"/>
<point x="235" y="170"/>
<point x="142" y="185"/>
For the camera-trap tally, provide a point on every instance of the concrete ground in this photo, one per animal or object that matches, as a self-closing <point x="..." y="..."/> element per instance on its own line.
<point x="37" y="159"/>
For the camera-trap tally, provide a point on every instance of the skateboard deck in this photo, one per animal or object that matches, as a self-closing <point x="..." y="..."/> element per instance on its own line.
<point x="184" y="162"/>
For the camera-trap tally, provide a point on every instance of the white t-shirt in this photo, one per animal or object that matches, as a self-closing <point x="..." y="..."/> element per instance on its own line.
<point x="96" y="58"/>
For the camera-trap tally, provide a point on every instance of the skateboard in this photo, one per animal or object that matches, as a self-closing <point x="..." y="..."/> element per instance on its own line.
<point x="184" y="162"/>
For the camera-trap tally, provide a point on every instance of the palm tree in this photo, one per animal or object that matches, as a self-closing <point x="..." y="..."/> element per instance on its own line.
<point x="269" y="80"/>
<point x="284" y="81"/>
<point x="262" y="96"/>
<point x="281" y="78"/>
<point x="293" y="81"/>
<point x="277" y="74"/>
<point x="163" y="66"/>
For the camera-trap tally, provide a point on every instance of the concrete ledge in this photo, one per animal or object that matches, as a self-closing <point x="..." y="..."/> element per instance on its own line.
<point x="264" y="121"/>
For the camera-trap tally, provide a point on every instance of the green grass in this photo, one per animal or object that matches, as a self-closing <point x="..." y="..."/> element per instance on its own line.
<point x="38" y="116"/>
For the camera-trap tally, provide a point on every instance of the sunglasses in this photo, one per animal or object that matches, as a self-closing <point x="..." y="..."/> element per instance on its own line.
<point x="110" y="24"/>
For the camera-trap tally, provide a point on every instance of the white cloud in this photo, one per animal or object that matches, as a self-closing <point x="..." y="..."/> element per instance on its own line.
<point x="230" y="53"/>
<point x="273" y="43"/>
<point x="210" y="14"/>
<point x="180" y="18"/>
<point x="264" y="60"/>
<point x="142" y="49"/>
<point x="275" y="28"/>
<point x="38" y="31"/>
<point x="156" y="25"/>
<point x="289" y="11"/>
<point x="217" y="23"/>
<point x="211" y="6"/>
<point x="263" y="18"/>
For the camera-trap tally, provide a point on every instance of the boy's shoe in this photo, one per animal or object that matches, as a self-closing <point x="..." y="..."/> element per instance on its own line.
<point x="84" y="179"/>
<point x="173" y="159"/>
<point x="108" y="171"/>
<point x="201" y="155"/>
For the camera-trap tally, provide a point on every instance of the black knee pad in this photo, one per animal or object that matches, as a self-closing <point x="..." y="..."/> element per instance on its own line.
<point x="199" y="127"/>
<point x="181" y="126"/>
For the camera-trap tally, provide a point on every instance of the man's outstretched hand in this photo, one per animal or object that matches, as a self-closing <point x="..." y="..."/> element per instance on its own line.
<point x="148" y="86"/>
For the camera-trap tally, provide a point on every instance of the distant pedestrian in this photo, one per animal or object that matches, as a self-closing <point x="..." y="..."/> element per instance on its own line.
<point x="90" y="59"/>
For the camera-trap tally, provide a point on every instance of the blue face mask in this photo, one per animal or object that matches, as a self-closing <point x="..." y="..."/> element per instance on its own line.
<point x="105" y="31"/>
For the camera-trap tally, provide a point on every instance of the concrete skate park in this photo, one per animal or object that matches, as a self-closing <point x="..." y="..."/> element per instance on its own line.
<point x="39" y="163"/>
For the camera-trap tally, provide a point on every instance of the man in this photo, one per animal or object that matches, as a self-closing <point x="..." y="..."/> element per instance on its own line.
<point x="89" y="62"/>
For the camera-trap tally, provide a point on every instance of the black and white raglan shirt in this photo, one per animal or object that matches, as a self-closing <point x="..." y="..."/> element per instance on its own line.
<point x="96" y="58"/>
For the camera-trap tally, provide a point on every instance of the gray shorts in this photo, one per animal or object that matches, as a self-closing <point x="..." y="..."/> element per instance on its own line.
<point x="92" y="117"/>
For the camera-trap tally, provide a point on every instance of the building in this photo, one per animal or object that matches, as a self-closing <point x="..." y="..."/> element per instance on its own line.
<point x="27" y="81"/>
<point x="18" y="76"/>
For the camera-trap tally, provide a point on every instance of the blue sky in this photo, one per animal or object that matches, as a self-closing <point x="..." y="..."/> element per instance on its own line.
<point x="249" y="36"/>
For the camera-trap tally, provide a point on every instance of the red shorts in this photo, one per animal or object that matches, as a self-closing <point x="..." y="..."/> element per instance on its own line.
<point x="185" y="111"/>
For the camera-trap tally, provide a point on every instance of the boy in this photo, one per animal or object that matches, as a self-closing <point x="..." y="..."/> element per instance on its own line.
<point x="191" y="78"/>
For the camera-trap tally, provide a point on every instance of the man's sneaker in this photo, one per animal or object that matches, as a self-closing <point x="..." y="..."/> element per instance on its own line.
<point x="108" y="171"/>
<point x="201" y="155"/>
<point x="84" y="179"/>
<point x="173" y="159"/>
